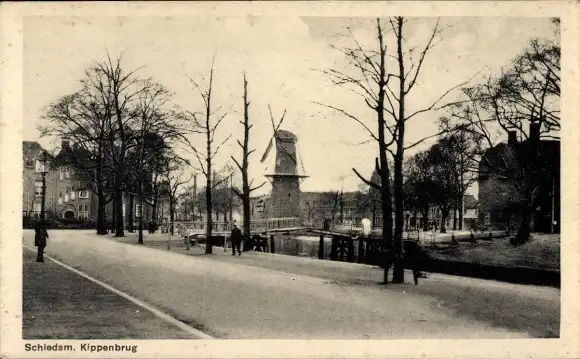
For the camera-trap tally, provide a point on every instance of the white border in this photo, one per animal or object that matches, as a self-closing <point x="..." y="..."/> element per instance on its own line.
<point x="11" y="15"/>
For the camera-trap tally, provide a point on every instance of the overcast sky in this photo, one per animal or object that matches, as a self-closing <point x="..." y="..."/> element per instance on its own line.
<point x="282" y="57"/>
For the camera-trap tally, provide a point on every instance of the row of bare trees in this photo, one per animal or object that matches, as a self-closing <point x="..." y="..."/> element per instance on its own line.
<point x="124" y="131"/>
<point x="121" y="134"/>
<point x="386" y="91"/>
<point x="526" y="91"/>
<point x="125" y="135"/>
<point x="440" y="176"/>
<point x="522" y="100"/>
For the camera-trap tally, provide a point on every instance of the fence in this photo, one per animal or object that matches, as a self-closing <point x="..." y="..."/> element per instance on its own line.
<point x="257" y="226"/>
<point x="359" y="249"/>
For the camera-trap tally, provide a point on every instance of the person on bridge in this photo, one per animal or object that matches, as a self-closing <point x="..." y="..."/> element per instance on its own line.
<point x="40" y="236"/>
<point x="236" y="239"/>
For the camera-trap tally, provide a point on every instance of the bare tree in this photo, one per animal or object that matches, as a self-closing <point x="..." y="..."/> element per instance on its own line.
<point x="371" y="84"/>
<point x="407" y="80"/>
<point x="176" y="178"/>
<point x="121" y="89"/>
<point x="523" y="96"/>
<point x="247" y="188"/>
<point x="155" y="129"/>
<point x="419" y="186"/>
<point x="207" y="125"/>
<point x="85" y="118"/>
<point x="463" y="151"/>
<point x="385" y="98"/>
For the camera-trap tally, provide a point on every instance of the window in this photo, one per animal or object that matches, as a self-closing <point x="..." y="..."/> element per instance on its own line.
<point x="39" y="166"/>
<point x="61" y="174"/>
<point x="66" y="195"/>
<point x="38" y="188"/>
<point x="83" y="211"/>
<point x="60" y="198"/>
<point x="83" y="193"/>
<point x="72" y="193"/>
<point x="36" y="207"/>
<point x="29" y="163"/>
<point x="67" y="173"/>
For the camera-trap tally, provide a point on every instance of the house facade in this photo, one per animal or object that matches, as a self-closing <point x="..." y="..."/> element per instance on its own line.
<point x="66" y="197"/>
<point x="500" y="196"/>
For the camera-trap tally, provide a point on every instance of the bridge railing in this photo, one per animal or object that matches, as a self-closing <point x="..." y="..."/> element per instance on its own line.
<point x="257" y="226"/>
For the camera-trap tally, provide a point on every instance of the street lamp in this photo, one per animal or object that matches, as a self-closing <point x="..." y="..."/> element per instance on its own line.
<point x="43" y="173"/>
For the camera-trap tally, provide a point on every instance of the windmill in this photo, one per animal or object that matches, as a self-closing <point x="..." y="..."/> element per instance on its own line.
<point x="286" y="174"/>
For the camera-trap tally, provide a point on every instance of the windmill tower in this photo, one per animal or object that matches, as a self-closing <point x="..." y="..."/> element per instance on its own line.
<point x="285" y="175"/>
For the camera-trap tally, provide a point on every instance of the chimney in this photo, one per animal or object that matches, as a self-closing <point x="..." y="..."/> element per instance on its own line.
<point x="534" y="131"/>
<point x="512" y="137"/>
<point x="65" y="143"/>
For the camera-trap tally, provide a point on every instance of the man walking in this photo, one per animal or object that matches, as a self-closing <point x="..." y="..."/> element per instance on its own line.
<point x="236" y="239"/>
<point x="40" y="236"/>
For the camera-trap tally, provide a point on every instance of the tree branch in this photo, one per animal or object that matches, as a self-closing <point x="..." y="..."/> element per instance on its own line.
<point x="372" y="184"/>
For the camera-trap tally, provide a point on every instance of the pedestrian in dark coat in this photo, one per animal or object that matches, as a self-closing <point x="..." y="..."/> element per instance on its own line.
<point x="40" y="236"/>
<point x="236" y="239"/>
<point x="415" y="255"/>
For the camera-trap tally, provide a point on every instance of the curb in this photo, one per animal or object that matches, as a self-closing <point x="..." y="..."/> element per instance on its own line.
<point x="148" y="307"/>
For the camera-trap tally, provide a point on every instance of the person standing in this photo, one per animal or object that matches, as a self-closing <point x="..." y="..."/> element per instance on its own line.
<point x="40" y="236"/>
<point x="236" y="238"/>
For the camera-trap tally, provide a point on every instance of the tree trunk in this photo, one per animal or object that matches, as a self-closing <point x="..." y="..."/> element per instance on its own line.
<point x="130" y="224"/>
<point x="114" y="214"/>
<point x="387" y="206"/>
<point x="444" y="213"/>
<point x="140" y="229"/>
<point x="142" y="209"/>
<point x="461" y="202"/>
<point x="154" y="214"/>
<point x="246" y="209"/>
<point x="425" y="215"/>
<point x="245" y="180"/>
<point x="341" y="203"/>
<point x="461" y="216"/>
<point x="524" y="229"/>
<point x="398" y="269"/>
<point x="455" y="215"/>
<point x="171" y="214"/>
<point x="119" y="223"/>
<point x="101" y="219"/>
<point x="209" y="224"/>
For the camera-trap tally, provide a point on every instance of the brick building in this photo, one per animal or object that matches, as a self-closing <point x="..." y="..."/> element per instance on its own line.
<point x="66" y="197"/>
<point x="501" y="200"/>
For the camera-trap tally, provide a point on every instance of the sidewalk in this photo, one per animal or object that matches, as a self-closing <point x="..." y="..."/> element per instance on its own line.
<point x="59" y="304"/>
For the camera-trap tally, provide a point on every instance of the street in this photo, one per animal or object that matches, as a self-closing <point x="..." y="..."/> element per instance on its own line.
<point x="260" y="296"/>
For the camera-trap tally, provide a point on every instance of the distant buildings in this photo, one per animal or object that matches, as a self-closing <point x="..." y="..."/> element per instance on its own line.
<point x="349" y="208"/>
<point x="67" y="194"/>
<point x="503" y="170"/>
<point x="66" y="197"/>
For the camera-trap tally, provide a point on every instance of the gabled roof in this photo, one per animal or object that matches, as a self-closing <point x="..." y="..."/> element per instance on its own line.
<point x="31" y="149"/>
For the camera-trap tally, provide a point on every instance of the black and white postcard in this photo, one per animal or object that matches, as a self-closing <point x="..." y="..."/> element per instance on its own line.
<point x="289" y="179"/>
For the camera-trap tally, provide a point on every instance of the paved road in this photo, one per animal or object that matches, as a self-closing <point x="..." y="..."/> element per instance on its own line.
<point x="231" y="297"/>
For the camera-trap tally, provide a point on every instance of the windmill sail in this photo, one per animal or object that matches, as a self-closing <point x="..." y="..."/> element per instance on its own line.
<point x="267" y="152"/>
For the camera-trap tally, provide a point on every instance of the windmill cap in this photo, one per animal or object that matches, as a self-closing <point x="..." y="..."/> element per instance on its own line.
<point x="286" y="136"/>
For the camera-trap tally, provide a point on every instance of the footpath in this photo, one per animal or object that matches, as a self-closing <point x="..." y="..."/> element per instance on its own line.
<point x="60" y="304"/>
